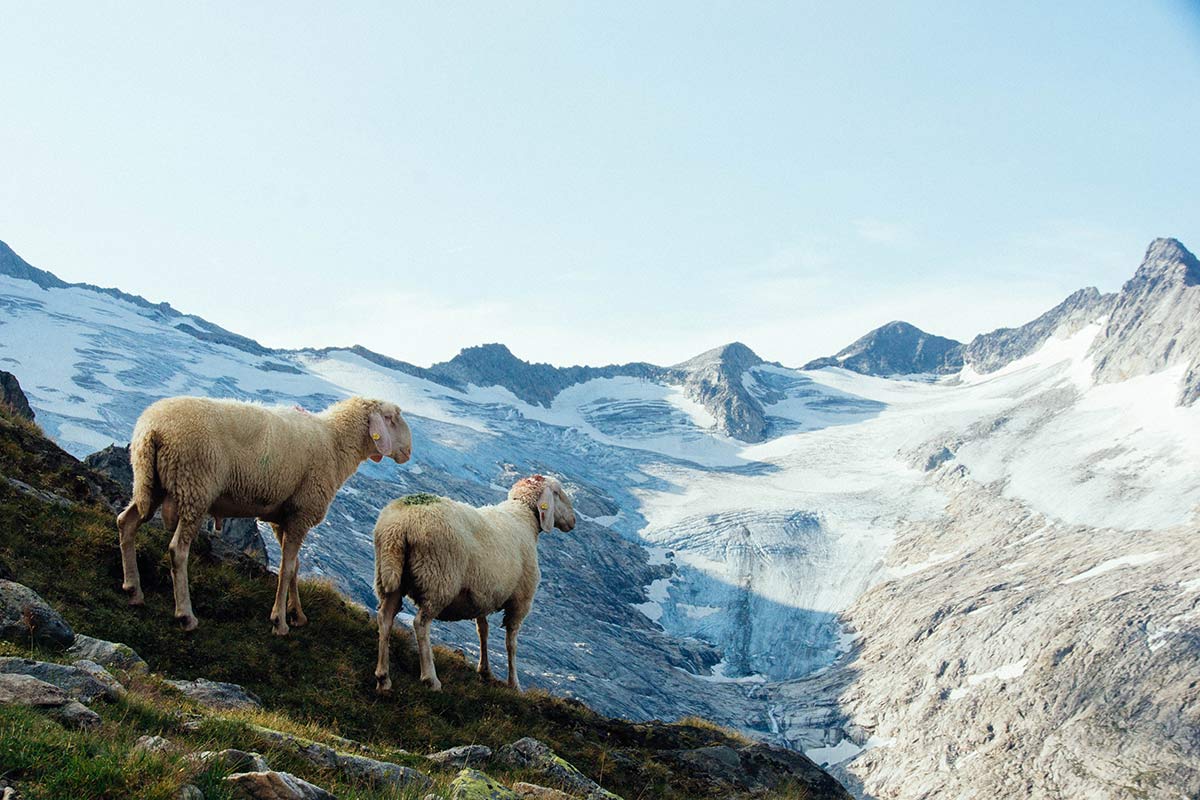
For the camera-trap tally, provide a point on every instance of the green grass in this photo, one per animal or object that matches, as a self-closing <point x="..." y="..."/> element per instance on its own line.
<point x="317" y="683"/>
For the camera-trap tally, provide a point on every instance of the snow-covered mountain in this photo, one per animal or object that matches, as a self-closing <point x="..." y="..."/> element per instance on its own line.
<point x="986" y="582"/>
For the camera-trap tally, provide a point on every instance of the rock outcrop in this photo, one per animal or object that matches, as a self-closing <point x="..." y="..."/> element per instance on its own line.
<point x="77" y="682"/>
<point x="217" y="694"/>
<point x="13" y="397"/>
<point x="107" y="654"/>
<point x="530" y="754"/>
<point x="354" y="767"/>
<point x="26" y="690"/>
<point x="26" y="618"/>
<point x="113" y="461"/>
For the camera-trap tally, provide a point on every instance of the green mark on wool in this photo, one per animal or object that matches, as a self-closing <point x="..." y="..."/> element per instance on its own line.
<point x="419" y="499"/>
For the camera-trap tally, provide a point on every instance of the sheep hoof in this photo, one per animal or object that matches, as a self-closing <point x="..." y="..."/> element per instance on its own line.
<point x="298" y="620"/>
<point x="280" y="630"/>
<point x="485" y="675"/>
<point x="433" y="683"/>
<point x="188" y="622"/>
<point x="383" y="685"/>
<point x="136" y="598"/>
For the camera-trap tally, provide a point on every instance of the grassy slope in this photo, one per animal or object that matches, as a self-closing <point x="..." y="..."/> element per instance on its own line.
<point x="318" y="681"/>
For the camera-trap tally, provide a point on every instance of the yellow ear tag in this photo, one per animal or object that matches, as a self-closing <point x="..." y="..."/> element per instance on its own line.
<point x="375" y="436"/>
<point x="544" y="506"/>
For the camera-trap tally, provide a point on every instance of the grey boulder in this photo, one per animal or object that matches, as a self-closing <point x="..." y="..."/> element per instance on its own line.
<point x="75" y="681"/>
<point x="28" y="691"/>
<point x="217" y="695"/>
<point x="462" y="756"/>
<point x="25" y="617"/>
<point x="112" y="655"/>
<point x="269" y="785"/>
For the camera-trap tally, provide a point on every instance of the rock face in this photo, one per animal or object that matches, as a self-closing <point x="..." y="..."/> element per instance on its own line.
<point x="12" y="396"/>
<point x="1020" y="670"/>
<point x="218" y="695"/>
<point x="113" y="461"/>
<point x="714" y="379"/>
<point x="1153" y="324"/>
<point x="26" y="617"/>
<point x="897" y="348"/>
<point x="989" y="352"/>
<point x="239" y="539"/>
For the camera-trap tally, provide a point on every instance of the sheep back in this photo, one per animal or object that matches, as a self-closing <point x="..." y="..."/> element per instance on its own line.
<point x="473" y="560"/>
<point x="248" y="455"/>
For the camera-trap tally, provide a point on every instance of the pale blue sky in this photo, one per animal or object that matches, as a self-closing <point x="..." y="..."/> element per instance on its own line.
<point x="600" y="182"/>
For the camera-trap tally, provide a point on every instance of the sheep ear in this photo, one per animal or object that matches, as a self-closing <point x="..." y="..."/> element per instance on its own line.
<point x="545" y="510"/>
<point x="380" y="435"/>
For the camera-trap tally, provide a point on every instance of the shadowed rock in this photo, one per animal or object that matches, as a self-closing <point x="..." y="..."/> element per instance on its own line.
<point x="25" y="617"/>
<point x="12" y="395"/>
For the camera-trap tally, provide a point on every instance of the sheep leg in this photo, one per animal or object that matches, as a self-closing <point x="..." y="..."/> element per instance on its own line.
<point x="288" y="565"/>
<point x="388" y="607"/>
<point x="295" y="610"/>
<point x="296" y="613"/>
<point x="481" y="625"/>
<point x="128" y="522"/>
<point x="512" y="624"/>
<point x="425" y="615"/>
<point x="181" y="544"/>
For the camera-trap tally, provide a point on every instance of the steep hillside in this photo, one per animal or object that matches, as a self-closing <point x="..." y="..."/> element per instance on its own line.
<point x="318" y="682"/>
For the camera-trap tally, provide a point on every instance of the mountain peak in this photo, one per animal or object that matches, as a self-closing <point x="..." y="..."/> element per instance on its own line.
<point x="1168" y="258"/>
<point x="734" y="356"/>
<point x="896" y="348"/>
<point x="1153" y="321"/>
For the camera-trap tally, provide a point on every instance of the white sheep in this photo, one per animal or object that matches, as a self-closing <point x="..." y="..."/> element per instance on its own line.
<point x="196" y="456"/>
<point x="460" y="562"/>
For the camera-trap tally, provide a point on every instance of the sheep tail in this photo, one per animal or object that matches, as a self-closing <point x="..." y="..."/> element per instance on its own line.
<point x="143" y="457"/>
<point x="389" y="567"/>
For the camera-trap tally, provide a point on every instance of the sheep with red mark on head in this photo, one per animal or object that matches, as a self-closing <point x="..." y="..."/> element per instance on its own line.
<point x="460" y="562"/>
<point x="197" y="456"/>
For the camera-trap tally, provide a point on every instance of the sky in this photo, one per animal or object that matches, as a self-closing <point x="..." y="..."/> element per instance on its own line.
<point x="601" y="182"/>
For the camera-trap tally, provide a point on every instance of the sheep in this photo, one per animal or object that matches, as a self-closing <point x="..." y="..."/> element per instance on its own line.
<point x="460" y="562"/>
<point x="196" y="456"/>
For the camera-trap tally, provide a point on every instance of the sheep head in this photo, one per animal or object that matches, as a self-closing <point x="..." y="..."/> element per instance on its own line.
<point x="387" y="432"/>
<point x="548" y="500"/>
